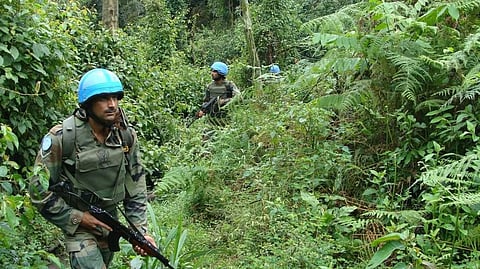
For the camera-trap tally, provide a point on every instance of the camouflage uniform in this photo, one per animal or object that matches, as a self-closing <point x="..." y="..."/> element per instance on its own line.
<point x="114" y="173"/>
<point x="226" y="90"/>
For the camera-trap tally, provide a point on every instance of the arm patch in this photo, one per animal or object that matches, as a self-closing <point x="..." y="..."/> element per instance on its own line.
<point x="46" y="144"/>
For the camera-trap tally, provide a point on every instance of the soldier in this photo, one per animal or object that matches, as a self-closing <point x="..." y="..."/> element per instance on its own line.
<point x="275" y="75"/>
<point x="274" y="69"/>
<point x="272" y="77"/>
<point x="94" y="152"/>
<point x="220" y="91"/>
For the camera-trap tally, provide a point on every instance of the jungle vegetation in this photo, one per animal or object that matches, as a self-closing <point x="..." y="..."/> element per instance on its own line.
<point x="363" y="155"/>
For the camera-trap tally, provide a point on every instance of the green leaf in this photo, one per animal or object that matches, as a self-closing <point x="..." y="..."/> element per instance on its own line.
<point x="137" y="262"/>
<point x="14" y="52"/>
<point x="309" y="198"/>
<point x="381" y="26"/>
<point x="437" y="119"/>
<point x="55" y="260"/>
<point x="453" y="12"/>
<point x="437" y="146"/>
<point x="11" y="217"/>
<point x="4" y="48"/>
<point x="3" y="171"/>
<point x="387" y="238"/>
<point x="22" y="128"/>
<point x="442" y="10"/>
<point x="471" y="127"/>
<point x="384" y="253"/>
<point x="7" y="187"/>
<point x="39" y="50"/>
<point x="9" y="75"/>
<point x="369" y="191"/>
<point x="39" y="68"/>
<point x="401" y="265"/>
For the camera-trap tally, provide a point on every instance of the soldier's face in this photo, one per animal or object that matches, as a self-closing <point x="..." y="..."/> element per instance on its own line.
<point x="105" y="108"/>
<point x="214" y="74"/>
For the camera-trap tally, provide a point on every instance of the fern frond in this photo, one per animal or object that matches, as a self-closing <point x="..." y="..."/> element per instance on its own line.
<point x="410" y="77"/>
<point x="175" y="178"/>
<point x="472" y="43"/>
<point x="430" y="104"/>
<point x="355" y="224"/>
<point x="339" y="22"/>
<point x="359" y="92"/>
<point x="393" y="15"/>
<point x="432" y="62"/>
<point x="458" y="60"/>
<point x="467" y="5"/>
<point x="472" y="238"/>
<point x="450" y="91"/>
<point x="458" y="179"/>
<point x="447" y="181"/>
<point x="410" y="216"/>
<point x="455" y="61"/>
<point x="468" y="199"/>
<point x="469" y="90"/>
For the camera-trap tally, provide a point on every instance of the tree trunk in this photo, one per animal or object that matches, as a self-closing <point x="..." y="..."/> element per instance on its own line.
<point x="253" y="59"/>
<point x="110" y="14"/>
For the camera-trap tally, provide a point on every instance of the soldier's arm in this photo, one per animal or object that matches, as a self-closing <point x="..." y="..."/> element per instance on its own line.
<point x="235" y="92"/>
<point x="47" y="170"/>
<point x="135" y="203"/>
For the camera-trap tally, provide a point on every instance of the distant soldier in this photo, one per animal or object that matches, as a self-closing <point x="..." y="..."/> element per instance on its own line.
<point x="275" y="69"/>
<point x="272" y="77"/>
<point x="217" y="94"/>
<point x="94" y="152"/>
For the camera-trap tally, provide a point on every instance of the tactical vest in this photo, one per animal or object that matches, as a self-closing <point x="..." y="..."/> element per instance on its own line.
<point x="223" y="91"/>
<point x="102" y="169"/>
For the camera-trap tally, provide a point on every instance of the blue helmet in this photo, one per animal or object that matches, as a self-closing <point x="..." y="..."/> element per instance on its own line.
<point x="98" y="81"/>
<point x="220" y="67"/>
<point x="274" y="69"/>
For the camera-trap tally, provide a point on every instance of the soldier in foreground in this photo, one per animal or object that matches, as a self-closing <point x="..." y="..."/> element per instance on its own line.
<point x="95" y="158"/>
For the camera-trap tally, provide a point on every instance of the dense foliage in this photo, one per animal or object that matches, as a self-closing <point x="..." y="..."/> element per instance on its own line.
<point x="362" y="154"/>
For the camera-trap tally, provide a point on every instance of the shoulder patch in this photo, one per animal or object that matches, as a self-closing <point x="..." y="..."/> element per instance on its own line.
<point x="46" y="143"/>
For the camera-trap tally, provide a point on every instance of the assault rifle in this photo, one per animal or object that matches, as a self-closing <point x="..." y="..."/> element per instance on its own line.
<point x="132" y="235"/>
<point x="207" y="108"/>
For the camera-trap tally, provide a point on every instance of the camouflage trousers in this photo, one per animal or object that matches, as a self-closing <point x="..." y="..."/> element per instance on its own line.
<point x="88" y="251"/>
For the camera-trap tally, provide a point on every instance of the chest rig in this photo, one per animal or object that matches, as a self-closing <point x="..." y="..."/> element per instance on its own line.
<point x="223" y="91"/>
<point x="98" y="172"/>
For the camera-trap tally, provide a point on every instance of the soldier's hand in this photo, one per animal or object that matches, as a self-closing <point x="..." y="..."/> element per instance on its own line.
<point x="200" y="114"/>
<point x="223" y="101"/>
<point x="92" y="223"/>
<point x="142" y="252"/>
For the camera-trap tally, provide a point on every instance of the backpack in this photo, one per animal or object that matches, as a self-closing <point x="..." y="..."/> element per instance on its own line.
<point x="229" y="88"/>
